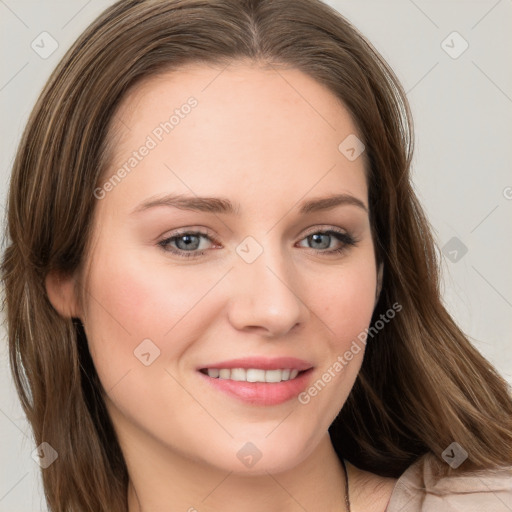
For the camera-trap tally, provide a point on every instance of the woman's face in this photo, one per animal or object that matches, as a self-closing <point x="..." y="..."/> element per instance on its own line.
<point x="216" y="249"/>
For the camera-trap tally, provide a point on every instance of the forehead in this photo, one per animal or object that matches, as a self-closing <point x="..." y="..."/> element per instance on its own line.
<point x="256" y="128"/>
<point x="238" y="89"/>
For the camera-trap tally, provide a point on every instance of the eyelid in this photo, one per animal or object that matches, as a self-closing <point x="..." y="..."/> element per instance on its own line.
<point x="325" y="228"/>
<point x="192" y="230"/>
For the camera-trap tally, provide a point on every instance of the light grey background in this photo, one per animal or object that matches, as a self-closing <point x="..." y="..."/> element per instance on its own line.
<point x="462" y="109"/>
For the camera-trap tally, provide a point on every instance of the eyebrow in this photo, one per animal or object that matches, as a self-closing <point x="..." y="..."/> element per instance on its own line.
<point x="223" y="205"/>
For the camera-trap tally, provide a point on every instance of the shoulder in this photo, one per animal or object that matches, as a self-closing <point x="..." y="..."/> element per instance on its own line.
<point x="421" y="489"/>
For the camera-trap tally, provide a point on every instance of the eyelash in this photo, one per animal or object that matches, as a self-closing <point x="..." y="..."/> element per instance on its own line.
<point x="346" y="239"/>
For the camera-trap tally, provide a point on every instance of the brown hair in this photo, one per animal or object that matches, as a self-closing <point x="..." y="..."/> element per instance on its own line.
<point x="422" y="385"/>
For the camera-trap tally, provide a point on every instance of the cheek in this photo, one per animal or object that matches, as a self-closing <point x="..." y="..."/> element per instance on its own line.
<point x="131" y="301"/>
<point x="346" y="301"/>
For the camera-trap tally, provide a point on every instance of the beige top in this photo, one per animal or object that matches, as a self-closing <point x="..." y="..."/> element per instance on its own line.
<point x="418" y="491"/>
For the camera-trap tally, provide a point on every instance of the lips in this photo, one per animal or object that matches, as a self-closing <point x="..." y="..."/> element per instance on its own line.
<point x="258" y="380"/>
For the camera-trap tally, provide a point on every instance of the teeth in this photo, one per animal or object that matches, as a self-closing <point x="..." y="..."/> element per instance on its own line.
<point x="273" y="375"/>
<point x="224" y="374"/>
<point x="253" y="374"/>
<point x="238" y="374"/>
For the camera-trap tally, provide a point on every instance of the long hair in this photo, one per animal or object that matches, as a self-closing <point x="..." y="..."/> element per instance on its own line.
<point x="421" y="386"/>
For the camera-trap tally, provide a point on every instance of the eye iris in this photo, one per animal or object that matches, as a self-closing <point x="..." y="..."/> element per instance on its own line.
<point x="317" y="239"/>
<point x="191" y="242"/>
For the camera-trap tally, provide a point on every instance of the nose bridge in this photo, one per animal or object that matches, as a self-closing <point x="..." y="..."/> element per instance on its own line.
<point x="264" y="294"/>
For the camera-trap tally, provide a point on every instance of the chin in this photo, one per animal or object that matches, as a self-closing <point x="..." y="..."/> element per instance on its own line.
<point x="261" y="455"/>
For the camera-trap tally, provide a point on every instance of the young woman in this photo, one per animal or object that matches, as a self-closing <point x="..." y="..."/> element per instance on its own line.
<point x="221" y="291"/>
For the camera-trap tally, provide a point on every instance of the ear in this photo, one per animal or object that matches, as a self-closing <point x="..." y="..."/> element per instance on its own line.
<point x="380" y="272"/>
<point x="61" y="292"/>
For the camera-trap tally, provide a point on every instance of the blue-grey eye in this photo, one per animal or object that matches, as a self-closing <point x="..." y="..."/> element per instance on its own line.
<point x="317" y="241"/>
<point x="187" y="242"/>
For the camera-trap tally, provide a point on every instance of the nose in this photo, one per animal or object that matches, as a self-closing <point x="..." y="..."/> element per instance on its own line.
<point x="263" y="298"/>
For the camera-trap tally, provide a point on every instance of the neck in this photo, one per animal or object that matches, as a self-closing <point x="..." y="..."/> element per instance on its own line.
<point x="161" y="481"/>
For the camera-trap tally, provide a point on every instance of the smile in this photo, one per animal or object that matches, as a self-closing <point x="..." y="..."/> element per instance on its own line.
<point x="252" y="374"/>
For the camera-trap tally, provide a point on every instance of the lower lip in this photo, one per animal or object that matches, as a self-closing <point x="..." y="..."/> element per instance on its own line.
<point x="261" y="393"/>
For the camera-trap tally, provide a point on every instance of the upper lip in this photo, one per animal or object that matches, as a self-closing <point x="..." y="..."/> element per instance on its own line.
<point x="263" y="363"/>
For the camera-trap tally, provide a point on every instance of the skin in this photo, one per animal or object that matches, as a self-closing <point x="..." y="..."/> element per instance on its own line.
<point x="265" y="140"/>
